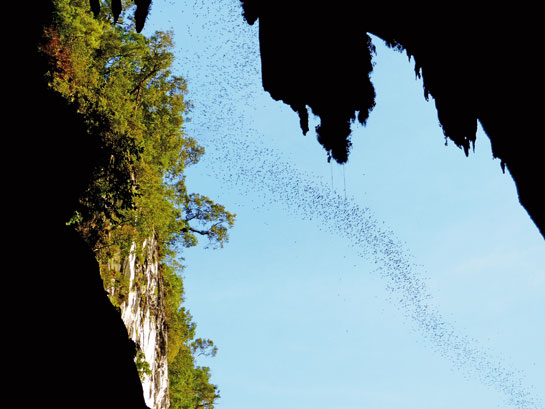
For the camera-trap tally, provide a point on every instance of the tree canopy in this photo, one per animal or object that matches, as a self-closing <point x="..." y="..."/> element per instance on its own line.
<point x="121" y="84"/>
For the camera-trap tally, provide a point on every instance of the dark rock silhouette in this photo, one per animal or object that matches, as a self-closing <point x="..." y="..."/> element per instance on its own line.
<point x="140" y="15"/>
<point x="75" y="350"/>
<point x="478" y="64"/>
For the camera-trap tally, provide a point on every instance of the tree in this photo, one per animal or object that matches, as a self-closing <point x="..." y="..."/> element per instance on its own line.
<point x="122" y="85"/>
<point x="190" y="386"/>
<point x="133" y="107"/>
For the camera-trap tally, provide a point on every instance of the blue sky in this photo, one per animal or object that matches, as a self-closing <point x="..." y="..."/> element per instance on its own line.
<point x="409" y="278"/>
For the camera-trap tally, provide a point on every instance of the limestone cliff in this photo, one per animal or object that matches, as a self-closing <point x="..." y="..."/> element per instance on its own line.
<point x="142" y="310"/>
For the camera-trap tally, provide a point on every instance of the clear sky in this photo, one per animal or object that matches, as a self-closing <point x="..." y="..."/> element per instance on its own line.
<point x="409" y="278"/>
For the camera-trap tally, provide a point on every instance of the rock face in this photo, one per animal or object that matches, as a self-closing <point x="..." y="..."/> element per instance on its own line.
<point x="318" y="56"/>
<point x="143" y="313"/>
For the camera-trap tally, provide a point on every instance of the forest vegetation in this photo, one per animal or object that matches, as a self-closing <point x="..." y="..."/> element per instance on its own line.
<point x="134" y="107"/>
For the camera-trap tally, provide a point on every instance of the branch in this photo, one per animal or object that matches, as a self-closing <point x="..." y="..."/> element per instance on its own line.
<point x="201" y="232"/>
<point x="146" y="77"/>
<point x="141" y="83"/>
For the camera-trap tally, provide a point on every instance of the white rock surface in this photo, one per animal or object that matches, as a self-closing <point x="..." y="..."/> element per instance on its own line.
<point x="144" y="316"/>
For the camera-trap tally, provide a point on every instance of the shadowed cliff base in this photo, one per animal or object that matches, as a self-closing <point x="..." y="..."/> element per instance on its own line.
<point x="78" y="352"/>
<point x="478" y="64"/>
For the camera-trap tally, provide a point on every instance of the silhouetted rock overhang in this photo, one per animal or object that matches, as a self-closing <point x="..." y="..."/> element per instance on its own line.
<point x="76" y="350"/>
<point x="478" y="64"/>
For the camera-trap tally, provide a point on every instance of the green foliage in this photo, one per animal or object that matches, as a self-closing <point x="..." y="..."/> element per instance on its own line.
<point x="121" y="84"/>
<point x="116" y="280"/>
<point x="190" y="386"/>
<point x="191" y="389"/>
<point x="142" y="366"/>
